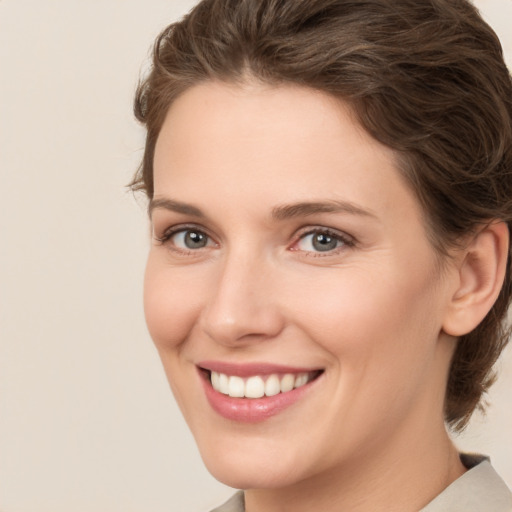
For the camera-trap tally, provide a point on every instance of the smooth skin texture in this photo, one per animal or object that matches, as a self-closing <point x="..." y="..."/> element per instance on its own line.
<point x="234" y="274"/>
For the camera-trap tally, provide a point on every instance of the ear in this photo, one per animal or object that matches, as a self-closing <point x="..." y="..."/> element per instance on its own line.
<point x="481" y="271"/>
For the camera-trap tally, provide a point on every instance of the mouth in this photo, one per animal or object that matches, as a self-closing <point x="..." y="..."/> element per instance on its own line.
<point x="252" y="393"/>
<point x="258" y="386"/>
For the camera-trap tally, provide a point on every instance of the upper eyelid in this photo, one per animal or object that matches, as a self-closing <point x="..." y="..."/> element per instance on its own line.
<point x="343" y="235"/>
<point x="163" y="221"/>
<point x="170" y="231"/>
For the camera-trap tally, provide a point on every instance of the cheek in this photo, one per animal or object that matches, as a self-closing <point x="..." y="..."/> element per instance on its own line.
<point x="172" y="303"/>
<point x="370" y="317"/>
<point x="381" y="337"/>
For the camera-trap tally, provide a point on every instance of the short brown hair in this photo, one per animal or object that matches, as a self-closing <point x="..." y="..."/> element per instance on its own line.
<point x="425" y="77"/>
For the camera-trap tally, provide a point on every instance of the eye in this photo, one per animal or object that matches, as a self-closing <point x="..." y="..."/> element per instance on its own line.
<point x="321" y="241"/>
<point x="187" y="239"/>
<point x="190" y="239"/>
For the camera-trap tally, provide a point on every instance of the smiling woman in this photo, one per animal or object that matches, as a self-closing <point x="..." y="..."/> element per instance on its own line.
<point x="330" y="201"/>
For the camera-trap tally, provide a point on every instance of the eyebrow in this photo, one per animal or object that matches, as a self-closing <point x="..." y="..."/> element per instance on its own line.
<point x="303" y="209"/>
<point x="282" y="212"/>
<point x="174" y="206"/>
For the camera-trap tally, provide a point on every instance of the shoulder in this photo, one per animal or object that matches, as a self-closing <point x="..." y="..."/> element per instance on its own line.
<point x="234" y="504"/>
<point x="480" y="489"/>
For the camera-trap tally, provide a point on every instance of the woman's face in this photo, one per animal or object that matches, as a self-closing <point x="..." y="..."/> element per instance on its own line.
<point x="290" y="263"/>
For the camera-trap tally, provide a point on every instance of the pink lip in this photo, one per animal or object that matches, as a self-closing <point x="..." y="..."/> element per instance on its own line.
<point x="251" y="410"/>
<point x="248" y="369"/>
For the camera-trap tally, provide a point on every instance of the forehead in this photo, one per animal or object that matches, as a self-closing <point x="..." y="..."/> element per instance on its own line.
<point x="257" y="144"/>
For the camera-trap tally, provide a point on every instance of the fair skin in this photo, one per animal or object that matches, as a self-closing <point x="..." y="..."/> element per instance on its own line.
<point x="283" y="234"/>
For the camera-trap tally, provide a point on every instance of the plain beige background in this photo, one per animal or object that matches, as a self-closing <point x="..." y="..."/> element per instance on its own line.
<point x="87" y="422"/>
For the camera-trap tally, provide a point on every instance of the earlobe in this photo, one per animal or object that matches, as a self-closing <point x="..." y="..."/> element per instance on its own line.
<point x="481" y="271"/>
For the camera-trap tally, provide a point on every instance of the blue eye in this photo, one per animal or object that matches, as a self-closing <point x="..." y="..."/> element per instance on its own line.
<point x="320" y="241"/>
<point x="190" y="239"/>
<point x="187" y="239"/>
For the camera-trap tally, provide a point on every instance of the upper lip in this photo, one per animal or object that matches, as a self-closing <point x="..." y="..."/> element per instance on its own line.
<point x="248" y="369"/>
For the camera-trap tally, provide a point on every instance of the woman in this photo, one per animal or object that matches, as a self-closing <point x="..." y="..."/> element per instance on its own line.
<point x="330" y="187"/>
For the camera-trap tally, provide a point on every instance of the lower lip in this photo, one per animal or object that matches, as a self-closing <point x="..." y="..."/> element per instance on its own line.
<point x="252" y="410"/>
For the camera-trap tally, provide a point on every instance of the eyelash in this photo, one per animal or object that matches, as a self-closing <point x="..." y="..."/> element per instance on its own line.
<point x="173" y="231"/>
<point x="346" y="240"/>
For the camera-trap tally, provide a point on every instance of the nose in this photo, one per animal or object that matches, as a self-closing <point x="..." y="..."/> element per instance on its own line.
<point x="243" y="305"/>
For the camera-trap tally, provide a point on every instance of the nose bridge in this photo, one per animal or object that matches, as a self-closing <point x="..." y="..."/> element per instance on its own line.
<point x="242" y="303"/>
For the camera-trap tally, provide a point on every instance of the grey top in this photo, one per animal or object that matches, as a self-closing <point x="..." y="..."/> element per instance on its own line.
<point x="480" y="489"/>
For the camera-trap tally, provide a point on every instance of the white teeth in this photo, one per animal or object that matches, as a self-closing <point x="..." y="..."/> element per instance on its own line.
<point x="287" y="383"/>
<point x="236" y="387"/>
<point x="215" y="380"/>
<point x="223" y="384"/>
<point x="301" y="380"/>
<point x="256" y="386"/>
<point x="272" y="386"/>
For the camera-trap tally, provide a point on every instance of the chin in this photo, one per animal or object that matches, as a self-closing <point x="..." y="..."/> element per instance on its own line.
<point x="251" y="469"/>
<point x="248" y="476"/>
